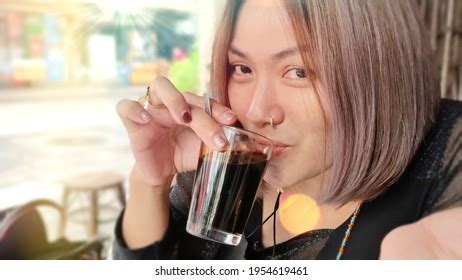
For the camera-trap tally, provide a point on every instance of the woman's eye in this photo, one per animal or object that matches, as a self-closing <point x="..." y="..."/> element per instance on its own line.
<point x="296" y="73"/>
<point x="241" y="69"/>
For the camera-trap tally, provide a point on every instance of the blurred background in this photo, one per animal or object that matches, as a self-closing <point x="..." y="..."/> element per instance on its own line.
<point x="64" y="64"/>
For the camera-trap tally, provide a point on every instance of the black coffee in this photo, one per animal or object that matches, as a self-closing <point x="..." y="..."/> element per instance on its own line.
<point x="241" y="176"/>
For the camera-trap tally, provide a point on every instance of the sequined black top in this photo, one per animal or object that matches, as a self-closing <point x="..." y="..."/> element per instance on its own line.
<point x="432" y="182"/>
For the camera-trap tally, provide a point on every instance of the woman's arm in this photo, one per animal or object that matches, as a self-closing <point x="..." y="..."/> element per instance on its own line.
<point x="437" y="236"/>
<point x="146" y="216"/>
<point x="173" y="242"/>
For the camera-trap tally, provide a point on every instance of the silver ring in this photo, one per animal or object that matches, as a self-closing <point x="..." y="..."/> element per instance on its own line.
<point x="271" y="121"/>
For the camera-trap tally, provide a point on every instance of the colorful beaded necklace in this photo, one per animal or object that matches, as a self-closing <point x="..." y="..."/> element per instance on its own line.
<point x="341" y="250"/>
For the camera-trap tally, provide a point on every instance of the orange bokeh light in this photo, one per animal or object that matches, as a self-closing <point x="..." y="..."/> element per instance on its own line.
<point x="298" y="213"/>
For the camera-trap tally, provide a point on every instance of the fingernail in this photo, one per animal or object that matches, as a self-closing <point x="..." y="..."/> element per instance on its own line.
<point x="219" y="140"/>
<point x="228" y="116"/>
<point x="145" y="116"/>
<point x="186" y="117"/>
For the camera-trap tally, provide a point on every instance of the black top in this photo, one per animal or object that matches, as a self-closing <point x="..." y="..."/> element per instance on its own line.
<point x="432" y="182"/>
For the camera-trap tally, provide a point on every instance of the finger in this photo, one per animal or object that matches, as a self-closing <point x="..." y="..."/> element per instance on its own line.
<point x="207" y="129"/>
<point x="171" y="98"/>
<point x="220" y="113"/>
<point x="163" y="117"/>
<point x="132" y="110"/>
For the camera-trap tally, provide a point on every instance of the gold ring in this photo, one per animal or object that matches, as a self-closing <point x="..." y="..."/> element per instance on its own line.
<point x="271" y="121"/>
<point x="145" y="100"/>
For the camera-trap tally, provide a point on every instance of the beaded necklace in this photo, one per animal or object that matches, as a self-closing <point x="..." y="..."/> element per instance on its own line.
<point x="346" y="236"/>
<point x="341" y="250"/>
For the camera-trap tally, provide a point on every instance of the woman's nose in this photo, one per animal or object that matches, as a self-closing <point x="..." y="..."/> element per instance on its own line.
<point x="264" y="108"/>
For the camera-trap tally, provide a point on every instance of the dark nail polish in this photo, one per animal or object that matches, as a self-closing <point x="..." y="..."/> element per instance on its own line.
<point x="186" y="116"/>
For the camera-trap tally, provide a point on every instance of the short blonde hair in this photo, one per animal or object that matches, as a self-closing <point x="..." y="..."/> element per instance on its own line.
<point x="374" y="61"/>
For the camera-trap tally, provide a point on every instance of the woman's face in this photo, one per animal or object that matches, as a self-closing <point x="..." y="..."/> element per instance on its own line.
<point x="269" y="79"/>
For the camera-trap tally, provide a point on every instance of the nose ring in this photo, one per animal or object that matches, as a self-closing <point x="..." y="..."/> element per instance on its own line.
<point x="271" y="121"/>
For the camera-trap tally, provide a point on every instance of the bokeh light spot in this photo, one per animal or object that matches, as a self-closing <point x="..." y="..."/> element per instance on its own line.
<point x="298" y="213"/>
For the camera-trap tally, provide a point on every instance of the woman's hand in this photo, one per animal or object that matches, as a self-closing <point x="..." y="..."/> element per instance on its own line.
<point x="165" y="139"/>
<point x="437" y="236"/>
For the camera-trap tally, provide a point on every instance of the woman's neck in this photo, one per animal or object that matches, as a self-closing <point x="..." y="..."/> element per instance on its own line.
<point x="310" y="187"/>
<point x="300" y="211"/>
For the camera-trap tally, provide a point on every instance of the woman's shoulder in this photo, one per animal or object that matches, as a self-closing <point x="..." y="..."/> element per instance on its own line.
<point x="448" y="187"/>
<point x="449" y="116"/>
<point x="432" y="180"/>
<point x="440" y="143"/>
<point x="439" y="159"/>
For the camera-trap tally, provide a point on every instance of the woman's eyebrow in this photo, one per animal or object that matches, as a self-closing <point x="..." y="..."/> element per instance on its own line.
<point x="277" y="56"/>
<point x="237" y="52"/>
<point x="284" y="54"/>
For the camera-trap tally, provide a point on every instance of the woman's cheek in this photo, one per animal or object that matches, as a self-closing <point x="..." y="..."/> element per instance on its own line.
<point x="238" y="100"/>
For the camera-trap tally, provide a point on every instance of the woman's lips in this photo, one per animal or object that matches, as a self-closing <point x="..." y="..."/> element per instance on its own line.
<point x="278" y="151"/>
<point x="278" y="148"/>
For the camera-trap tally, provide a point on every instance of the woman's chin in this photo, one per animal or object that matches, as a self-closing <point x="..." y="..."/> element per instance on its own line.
<point x="277" y="175"/>
<point x="274" y="179"/>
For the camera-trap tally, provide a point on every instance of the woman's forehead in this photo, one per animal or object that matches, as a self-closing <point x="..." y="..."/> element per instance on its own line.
<point x="262" y="28"/>
<point x="263" y="3"/>
<point x="264" y="15"/>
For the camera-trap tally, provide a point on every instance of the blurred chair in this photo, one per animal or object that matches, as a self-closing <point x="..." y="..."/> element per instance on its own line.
<point x="443" y="19"/>
<point x="23" y="236"/>
<point x="91" y="186"/>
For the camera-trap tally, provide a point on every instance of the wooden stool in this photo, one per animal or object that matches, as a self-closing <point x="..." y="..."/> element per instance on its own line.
<point x="91" y="184"/>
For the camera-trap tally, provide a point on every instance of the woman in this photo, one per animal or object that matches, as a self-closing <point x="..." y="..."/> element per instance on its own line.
<point x="347" y="90"/>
